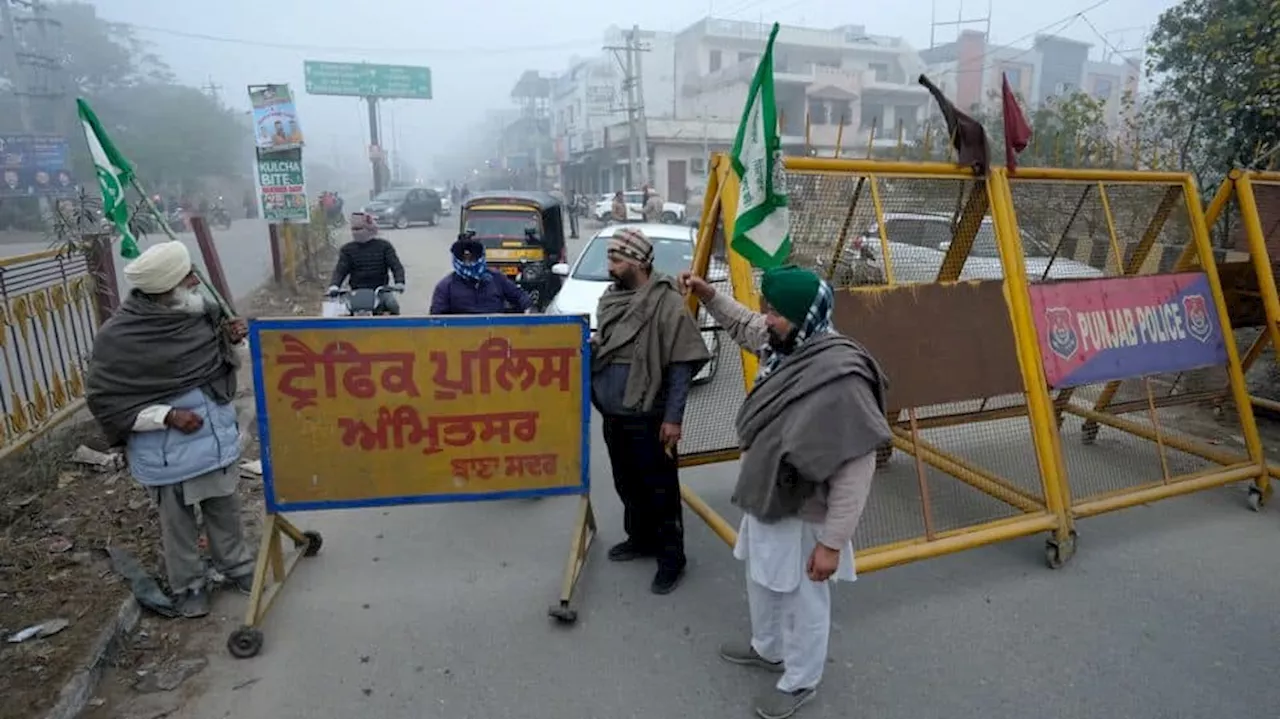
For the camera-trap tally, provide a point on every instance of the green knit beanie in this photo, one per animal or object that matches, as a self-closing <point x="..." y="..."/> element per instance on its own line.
<point x="790" y="291"/>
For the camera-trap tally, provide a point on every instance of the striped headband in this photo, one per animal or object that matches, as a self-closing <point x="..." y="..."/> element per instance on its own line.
<point x="632" y="244"/>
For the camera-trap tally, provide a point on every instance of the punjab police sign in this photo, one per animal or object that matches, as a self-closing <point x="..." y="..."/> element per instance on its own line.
<point x="1093" y="331"/>
<point x="383" y="411"/>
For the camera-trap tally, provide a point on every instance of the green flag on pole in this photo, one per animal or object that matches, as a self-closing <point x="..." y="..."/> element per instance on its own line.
<point x="762" y="229"/>
<point x="114" y="174"/>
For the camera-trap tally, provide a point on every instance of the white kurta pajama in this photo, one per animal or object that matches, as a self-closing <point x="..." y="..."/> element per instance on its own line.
<point x="790" y="613"/>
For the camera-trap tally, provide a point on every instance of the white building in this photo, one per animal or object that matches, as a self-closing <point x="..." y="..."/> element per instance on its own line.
<point x="839" y="82"/>
<point x="590" y="97"/>
<point x="970" y="72"/>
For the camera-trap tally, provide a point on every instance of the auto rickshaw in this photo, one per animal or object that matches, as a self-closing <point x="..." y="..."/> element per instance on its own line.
<point x="523" y="237"/>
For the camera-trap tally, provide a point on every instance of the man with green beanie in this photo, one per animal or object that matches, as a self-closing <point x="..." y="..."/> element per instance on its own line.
<point x="808" y="431"/>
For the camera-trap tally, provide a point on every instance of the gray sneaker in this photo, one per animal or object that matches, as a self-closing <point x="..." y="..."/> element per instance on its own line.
<point x="781" y="705"/>
<point x="192" y="604"/>
<point x="746" y="655"/>
<point x="242" y="584"/>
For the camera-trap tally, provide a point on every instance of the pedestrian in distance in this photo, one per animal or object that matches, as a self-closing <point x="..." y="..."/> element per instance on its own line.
<point x="645" y="355"/>
<point x="803" y="480"/>
<point x="161" y="382"/>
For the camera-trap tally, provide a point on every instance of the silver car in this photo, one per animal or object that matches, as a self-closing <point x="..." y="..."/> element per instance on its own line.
<point x="918" y="243"/>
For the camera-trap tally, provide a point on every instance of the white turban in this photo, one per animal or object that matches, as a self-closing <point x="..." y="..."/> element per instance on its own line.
<point x="160" y="269"/>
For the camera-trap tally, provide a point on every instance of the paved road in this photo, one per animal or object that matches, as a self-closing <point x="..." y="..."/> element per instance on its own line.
<point x="1169" y="611"/>
<point x="245" y="251"/>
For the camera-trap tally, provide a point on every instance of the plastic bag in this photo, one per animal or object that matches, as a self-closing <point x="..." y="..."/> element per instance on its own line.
<point x="333" y="308"/>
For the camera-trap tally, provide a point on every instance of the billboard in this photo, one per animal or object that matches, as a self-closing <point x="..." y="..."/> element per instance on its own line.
<point x="284" y="189"/>
<point x="275" y="118"/>
<point x="1094" y="331"/>
<point x="34" y="165"/>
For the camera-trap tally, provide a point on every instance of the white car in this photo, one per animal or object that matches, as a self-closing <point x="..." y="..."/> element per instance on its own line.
<point x="918" y="243"/>
<point x="672" y="212"/>
<point x="587" y="279"/>
<point x="446" y="205"/>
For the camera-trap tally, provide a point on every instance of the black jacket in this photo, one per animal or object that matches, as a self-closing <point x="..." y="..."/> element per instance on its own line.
<point x="367" y="264"/>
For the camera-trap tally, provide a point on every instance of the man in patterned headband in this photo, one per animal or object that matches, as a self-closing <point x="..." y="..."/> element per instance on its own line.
<point x="474" y="289"/>
<point x="647" y="352"/>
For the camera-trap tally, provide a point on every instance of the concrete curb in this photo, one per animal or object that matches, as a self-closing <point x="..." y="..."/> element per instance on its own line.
<point x="79" y="689"/>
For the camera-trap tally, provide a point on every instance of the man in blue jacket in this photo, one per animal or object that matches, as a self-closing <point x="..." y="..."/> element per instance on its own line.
<point x="473" y="289"/>
<point x="161" y="382"/>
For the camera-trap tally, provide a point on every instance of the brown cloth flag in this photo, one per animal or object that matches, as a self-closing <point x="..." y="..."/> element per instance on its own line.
<point x="966" y="133"/>
<point x="1017" y="131"/>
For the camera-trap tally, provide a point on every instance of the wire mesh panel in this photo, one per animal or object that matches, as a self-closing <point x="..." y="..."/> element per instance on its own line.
<point x="1129" y="330"/>
<point x="717" y="392"/>
<point x="891" y="242"/>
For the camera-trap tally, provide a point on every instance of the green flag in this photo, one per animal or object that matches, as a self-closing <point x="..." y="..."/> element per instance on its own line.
<point x="762" y="230"/>
<point x="114" y="174"/>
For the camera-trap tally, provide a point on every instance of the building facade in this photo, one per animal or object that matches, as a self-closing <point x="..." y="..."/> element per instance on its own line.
<point x="970" y="69"/>
<point x="832" y="86"/>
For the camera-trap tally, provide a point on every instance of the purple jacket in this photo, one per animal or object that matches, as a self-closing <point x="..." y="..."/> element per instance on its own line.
<point x="497" y="295"/>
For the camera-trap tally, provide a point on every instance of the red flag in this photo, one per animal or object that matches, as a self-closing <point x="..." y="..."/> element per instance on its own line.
<point x="1017" y="132"/>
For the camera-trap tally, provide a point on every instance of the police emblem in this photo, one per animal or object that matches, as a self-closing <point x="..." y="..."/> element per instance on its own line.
<point x="1062" y="335"/>
<point x="1199" y="326"/>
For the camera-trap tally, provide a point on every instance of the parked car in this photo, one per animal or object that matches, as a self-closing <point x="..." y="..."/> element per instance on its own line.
<point x="400" y="207"/>
<point x="587" y="279"/>
<point x="672" y="212"/>
<point x="918" y="242"/>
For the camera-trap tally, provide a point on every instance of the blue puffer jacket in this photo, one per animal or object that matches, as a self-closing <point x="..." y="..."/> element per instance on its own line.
<point x="167" y="456"/>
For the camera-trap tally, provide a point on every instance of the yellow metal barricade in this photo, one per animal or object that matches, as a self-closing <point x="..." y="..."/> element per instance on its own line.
<point x="922" y="280"/>
<point x="1141" y="435"/>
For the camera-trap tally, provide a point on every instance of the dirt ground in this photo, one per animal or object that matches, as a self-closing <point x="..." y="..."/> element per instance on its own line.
<point x="58" y="517"/>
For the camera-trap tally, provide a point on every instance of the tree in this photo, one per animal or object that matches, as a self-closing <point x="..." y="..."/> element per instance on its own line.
<point x="1215" y="65"/>
<point x="174" y="134"/>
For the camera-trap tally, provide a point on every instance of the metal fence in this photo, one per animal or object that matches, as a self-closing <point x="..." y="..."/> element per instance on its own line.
<point x="934" y="270"/>
<point x="48" y="318"/>
<point x="1134" y="440"/>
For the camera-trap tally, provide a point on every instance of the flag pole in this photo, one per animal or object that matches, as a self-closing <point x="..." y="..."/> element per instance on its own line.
<point x="164" y="225"/>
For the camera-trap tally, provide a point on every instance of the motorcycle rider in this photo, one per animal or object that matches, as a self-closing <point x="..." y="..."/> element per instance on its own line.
<point x="473" y="289"/>
<point x="367" y="260"/>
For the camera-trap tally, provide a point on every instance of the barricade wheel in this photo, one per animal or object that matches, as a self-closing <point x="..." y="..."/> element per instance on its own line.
<point x="1058" y="552"/>
<point x="314" y="542"/>
<point x="1257" y="500"/>
<point x="245" y="642"/>
<point x="563" y="614"/>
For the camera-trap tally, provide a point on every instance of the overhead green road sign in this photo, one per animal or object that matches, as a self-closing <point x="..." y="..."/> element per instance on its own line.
<point x="358" y="79"/>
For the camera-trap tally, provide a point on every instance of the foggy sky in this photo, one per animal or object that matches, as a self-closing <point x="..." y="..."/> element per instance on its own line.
<point x="477" y="50"/>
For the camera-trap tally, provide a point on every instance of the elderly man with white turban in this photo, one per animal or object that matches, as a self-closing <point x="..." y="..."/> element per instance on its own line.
<point x="161" y="382"/>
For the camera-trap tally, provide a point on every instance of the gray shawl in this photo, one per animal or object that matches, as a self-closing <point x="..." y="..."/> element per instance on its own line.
<point x="650" y="329"/>
<point x="823" y="406"/>
<point x="148" y="353"/>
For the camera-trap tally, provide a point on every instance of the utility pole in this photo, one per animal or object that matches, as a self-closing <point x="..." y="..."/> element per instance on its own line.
<point x="637" y="141"/>
<point x="213" y="89"/>
<point x="375" y="145"/>
<point x="13" y="66"/>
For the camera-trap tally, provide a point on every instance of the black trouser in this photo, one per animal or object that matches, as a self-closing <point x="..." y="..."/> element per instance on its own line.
<point x="648" y="483"/>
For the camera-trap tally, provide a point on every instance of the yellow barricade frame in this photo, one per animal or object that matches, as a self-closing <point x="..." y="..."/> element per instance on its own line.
<point x="1059" y="510"/>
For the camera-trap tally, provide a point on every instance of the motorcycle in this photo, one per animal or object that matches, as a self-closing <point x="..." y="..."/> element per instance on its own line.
<point x="359" y="303"/>
<point x="220" y="218"/>
<point x="177" y="219"/>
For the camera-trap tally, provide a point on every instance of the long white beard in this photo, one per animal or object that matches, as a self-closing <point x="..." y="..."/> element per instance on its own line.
<point x="189" y="300"/>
